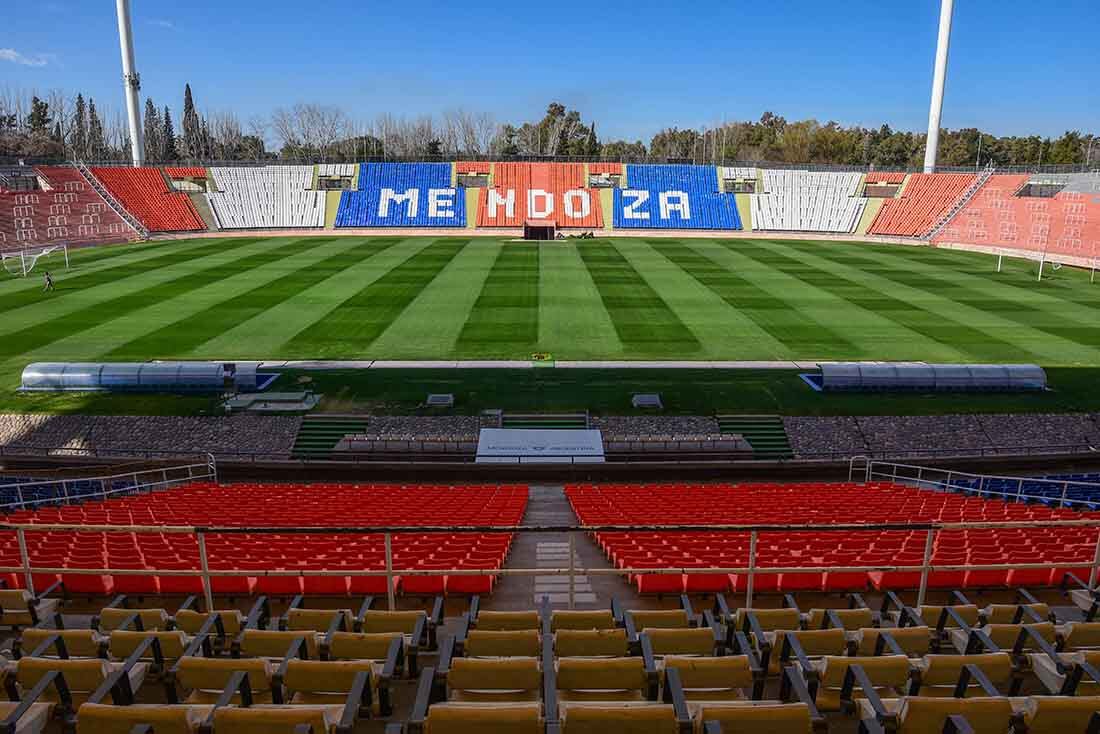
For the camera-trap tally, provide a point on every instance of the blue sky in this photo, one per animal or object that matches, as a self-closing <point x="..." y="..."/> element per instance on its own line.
<point x="1016" y="67"/>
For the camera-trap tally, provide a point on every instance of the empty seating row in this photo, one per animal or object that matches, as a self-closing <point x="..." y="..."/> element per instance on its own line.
<point x="340" y="170"/>
<point x="674" y="197"/>
<point x="180" y="172"/>
<point x="1080" y="490"/>
<point x="403" y="195"/>
<point x="268" y="196"/>
<point x="925" y="198"/>
<point x="802" y="201"/>
<point x="146" y="195"/>
<point x="1067" y="224"/>
<point x="57" y="205"/>
<point x="739" y="173"/>
<point x="1065" y="549"/>
<point x="177" y="555"/>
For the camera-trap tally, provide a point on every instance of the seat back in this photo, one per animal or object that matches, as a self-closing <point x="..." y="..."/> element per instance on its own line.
<point x="816" y="643"/>
<point x="274" y="643"/>
<point x="78" y="643"/>
<point x="1004" y="635"/>
<point x="125" y="642"/>
<point x="763" y="718"/>
<point x="851" y="619"/>
<point x="609" y="717"/>
<point x="316" y="620"/>
<point x="727" y="674"/>
<point x="507" y="621"/>
<point x="94" y="718"/>
<point x="598" y="678"/>
<point x="1081" y="635"/>
<point x="212" y="674"/>
<point x="82" y="675"/>
<point x="386" y="621"/>
<point x="274" y="720"/>
<point x="362" y="645"/>
<point x="914" y="641"/>
<point x="659" y="619"/>
<point x="944" y="670"/>
<point x="516" y="718"/>
<point x="886" y="671"/>
<point x="920" y="714"/>
<point x="111" y="618"/>
<point x="676" y="641"/>
<point x="501" y="643"/>
<point x="191" y="621"/>
<point x="591" y="642"/>
<point x="930" y="615"/>
<point x="498" y="680"/>
<point x="1059" y="714"/>
<point x="1006" y="613"/>
<point x="770" y="619"/>
<point x="576" y="619"/>
<point x="328" y="676"/>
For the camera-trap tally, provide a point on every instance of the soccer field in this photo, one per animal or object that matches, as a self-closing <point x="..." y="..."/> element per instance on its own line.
<point x="486" y="298"/>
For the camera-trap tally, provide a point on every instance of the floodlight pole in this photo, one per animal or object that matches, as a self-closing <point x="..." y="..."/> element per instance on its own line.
<point x="939" y="78"/>
<point x="131" y="83"/>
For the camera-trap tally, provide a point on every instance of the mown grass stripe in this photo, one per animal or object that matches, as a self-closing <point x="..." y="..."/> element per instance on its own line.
<point x="181" y="337"/>
<point x="572" y="317"/>
<point x="83" y="260"/>
<point x="985" y="296"/>
<point x="642" y="319"/>
<point x="112" y="275"/>
<point x="350" y="328"/>
<point x="934" y="325"/>
<point x="771" y="314"/>
<point x="39" y="335"/>
<point x="505" y="318"/>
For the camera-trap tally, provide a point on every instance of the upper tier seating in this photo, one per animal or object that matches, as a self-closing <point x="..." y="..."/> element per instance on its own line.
<point x="885" y="177"/>
<point x="1079" y="489"/>
<point x="403" y="195"/>
<point x="801" y="201"/>
<point x="145" y="194"/>
<point x="826" y="504"/>
<point x="253" y="505"/>
<point x="553" y="191"/>
<point x="922" y="202"/>
<point x="1067" y="224"/>
<point x="674" y="197"/>
<point x="271" y="196"/>
<point x="480" y="167"/>
<point x="610" y="169"/>
<point x="185" y="172"/>
<point x="65" y="209"/>
<point x="342" y="170"/>
<point x="746" y="173"/>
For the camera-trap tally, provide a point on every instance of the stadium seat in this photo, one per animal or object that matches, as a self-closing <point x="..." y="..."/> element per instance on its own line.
<point x="801" y="201"/>
<point x="146" y="195"/>
<point x="403" y="195"/>
<point x="925" y="198"/>
<point x="546" y="191"/>
<point x="674" y="197"/>
<point x="267" y="196"/>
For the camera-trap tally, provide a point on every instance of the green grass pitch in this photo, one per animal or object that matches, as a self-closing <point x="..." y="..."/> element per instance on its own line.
<point x="485" y="298"/>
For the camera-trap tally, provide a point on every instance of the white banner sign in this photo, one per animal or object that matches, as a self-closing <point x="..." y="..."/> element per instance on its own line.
<point x="539" y="446"/>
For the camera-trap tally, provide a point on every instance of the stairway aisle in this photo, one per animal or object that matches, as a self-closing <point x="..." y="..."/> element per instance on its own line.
<point x="547" y="505"/>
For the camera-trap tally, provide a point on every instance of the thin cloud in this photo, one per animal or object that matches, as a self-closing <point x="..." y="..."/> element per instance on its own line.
<point x="162" y="23"/>
<point x="10" y="54"/>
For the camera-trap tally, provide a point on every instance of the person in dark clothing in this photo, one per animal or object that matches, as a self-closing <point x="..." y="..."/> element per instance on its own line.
<point x="49" y="282"/>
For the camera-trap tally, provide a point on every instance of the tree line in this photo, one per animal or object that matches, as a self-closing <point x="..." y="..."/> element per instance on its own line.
<point x="56" y="126"/>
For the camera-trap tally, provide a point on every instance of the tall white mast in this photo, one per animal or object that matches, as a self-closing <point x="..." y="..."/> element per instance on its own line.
<point x="938" y="80"/>
<point x="131" y="83"/>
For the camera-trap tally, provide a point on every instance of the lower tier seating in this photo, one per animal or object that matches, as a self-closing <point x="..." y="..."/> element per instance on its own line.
<point x="274" y="506"/>
<point x="828" y="504"/>
<point x="145" y="194"/>
<point x="921" y="203"/>
<point x="268" y="196"/>
<point x="61" y="208"/>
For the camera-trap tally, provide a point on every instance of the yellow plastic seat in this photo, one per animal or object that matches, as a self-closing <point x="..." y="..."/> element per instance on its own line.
<point x="78" y="643"/>
<point x="205" y="678"/>
<point x="889" y="674"/>
<point x="173" y="644"/>
<point x="501" y="718"/>
<point x="1006" y="613"/>
<point x="622" y="718"/>
<point x="276" y="719"/>
<point x="576" y="619"/>
<point x="19" y="608"/>
<point x="502" y="643"/>
<point x="111" y="618"/>
<point x="94" y="718"/>
<point x="33" y="720"/>
<point x="479" y="680"/>
<point x="927" y="715"/>
<point x="275" y="643"/>
<point x="727" y="678"/>
<point x="681" y="641"/>
<point x="591" y="643"/>
<point x="938" y="674"/>
<point x="1059" y="714"/>
<point x="83" y="676"/>
<point x="850" y="619"/>
<point x="659" y="619"/>
<point x="758" y="717"/>
<point x="602" y="679"/>
<point x="316" y="620"/>
<point x="191" y="621"/>
<point x="507" y="621"/>
<point x="914" y="641"/>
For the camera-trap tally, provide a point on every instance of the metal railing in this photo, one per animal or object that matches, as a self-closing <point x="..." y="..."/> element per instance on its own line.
<point x="953" y="480"/>
<point x="135" y="481"/>
<point x="573" y="571"/>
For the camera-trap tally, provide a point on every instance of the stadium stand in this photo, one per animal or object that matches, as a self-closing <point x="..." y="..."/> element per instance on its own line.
<point x="745" y="173"/>
<point x="674" y="197"/>
<point x="340" y="170"/>
<point x="480" y="167"/>
<point x="1067" y="224"/>
<point x="885" y="177"/>
<point x="801" y="201"/>
<point x="556" y="192"/>
<point x="61" y="207"/>
<point x="185" y="171"/>
<point x="403" y="195"/>
<point x="610" y="169"/>
<point x="146" y="195"/>
<point x="277" y="506"/>
<point x="269" y="196"/>
<point x="925" y="198"/>
<point x="824" y="504"/>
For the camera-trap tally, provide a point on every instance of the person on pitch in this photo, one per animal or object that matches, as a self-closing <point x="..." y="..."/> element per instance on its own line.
<point x="48" y="282"/>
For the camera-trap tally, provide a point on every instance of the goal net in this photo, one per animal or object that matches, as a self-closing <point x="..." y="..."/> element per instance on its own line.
<point x="21" y="263"/>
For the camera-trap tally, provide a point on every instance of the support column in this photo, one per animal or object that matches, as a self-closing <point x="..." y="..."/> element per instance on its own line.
<point x="939" y="79"/>
<point x="131" y="83"/>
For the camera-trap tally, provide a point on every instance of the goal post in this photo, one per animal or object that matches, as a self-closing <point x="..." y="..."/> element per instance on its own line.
<point x="22" y="262"/>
